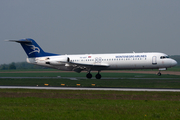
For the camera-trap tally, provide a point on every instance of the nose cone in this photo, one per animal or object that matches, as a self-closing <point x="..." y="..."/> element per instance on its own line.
<point x="173" y="63"/>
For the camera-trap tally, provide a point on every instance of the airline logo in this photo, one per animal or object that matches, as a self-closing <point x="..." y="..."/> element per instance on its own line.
<point x="35" y="49"/>
<point x="131" y="56"/>
<point x="89" y="56"/>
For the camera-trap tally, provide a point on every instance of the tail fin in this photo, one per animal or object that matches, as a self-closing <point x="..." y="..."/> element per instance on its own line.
<point x="31" y="48"/>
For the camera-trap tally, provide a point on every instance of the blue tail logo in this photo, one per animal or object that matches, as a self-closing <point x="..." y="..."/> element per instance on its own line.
<point x="35" y="49"/>
<point x="32" y="49"/>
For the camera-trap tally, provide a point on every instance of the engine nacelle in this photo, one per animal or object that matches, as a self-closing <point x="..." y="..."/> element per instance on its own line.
<point x="58" y="61"/>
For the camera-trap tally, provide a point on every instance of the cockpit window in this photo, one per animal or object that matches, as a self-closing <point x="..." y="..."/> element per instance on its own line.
<point x="164" y="57"/>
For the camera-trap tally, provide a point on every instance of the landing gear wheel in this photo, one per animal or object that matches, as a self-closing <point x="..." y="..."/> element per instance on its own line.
<point x="89" y="75"/>
<point x="159" y="74"/>
<point x="98" y="76"/>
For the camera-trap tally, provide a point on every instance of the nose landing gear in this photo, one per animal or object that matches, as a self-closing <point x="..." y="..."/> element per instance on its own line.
<point x="159" y="73"/>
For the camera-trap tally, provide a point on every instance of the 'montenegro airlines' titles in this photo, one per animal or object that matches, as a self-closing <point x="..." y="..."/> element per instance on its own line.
<point x="95" y="62"/>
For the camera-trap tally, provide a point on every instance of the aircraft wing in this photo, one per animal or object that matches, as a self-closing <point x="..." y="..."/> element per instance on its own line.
<point x="78" y="67"/>
<point x="90" y="65"/>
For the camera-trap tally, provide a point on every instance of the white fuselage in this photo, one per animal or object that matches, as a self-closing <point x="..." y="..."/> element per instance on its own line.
<point x="100" y="62"/>
<point x="96" y="62"/>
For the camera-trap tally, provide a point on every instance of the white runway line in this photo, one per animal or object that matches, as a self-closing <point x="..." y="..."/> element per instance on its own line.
<point x="80" y="88"/>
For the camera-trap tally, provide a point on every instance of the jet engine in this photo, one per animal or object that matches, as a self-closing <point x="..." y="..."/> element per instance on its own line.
<point x="57" y="61"/>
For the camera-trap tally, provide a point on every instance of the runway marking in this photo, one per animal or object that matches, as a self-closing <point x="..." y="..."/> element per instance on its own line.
<point x="81" y="88"/>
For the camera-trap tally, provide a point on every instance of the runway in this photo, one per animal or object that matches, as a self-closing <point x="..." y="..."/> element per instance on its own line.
<point x="58" y="77"/>
<point x="83" y="88"/>
<point x="80" y="78"/>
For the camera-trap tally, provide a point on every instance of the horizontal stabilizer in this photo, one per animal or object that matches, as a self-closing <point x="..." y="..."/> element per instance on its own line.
<point x="20" y="41"/>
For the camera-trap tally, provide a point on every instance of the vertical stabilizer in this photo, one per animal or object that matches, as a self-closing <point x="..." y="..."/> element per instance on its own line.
<point x="31" y="48"/>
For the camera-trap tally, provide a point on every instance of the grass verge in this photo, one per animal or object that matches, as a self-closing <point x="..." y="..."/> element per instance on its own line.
<point x="89" y="105"/>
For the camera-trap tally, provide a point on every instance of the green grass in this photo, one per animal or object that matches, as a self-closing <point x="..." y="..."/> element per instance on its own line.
<point x="176" y="68"/>
<point x="12" y="70"/>
<point x="87" y="105"/>
<point x="20" y="104"/>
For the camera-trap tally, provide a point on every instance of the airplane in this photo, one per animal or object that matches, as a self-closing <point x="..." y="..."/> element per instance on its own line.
<point x="95" y="62"/>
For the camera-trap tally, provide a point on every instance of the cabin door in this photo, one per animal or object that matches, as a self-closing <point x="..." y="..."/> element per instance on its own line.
<point x="154" y="60"/>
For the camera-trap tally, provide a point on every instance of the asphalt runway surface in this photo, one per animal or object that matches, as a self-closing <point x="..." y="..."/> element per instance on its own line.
<point x="83" y="88"/>
<point x="79" y="78"/>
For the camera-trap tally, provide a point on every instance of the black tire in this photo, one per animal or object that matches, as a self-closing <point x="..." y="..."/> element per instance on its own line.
<point x="159" y="74"/>
<point x="98" y="76"/>
<point x="89" y="75"/>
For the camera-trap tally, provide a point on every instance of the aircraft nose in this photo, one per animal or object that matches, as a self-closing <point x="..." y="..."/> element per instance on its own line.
<point x="173" y="63"/>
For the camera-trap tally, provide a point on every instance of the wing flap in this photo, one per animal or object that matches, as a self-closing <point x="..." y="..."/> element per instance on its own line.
<point x="89" y="65"/>
<point x="78" y="67"/>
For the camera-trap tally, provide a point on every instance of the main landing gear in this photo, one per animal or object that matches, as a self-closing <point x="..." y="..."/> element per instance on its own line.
<point x="89" y="75"/>
<point x="98" y="76"/>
